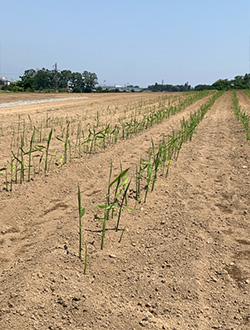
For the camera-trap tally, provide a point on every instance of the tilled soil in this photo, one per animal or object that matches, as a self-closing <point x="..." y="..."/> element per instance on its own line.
<point x="244" y="102"/>
<point x="183" y="260"/>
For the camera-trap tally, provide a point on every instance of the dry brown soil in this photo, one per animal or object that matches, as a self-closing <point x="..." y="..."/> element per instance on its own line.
<point x="183" y="261"/>
<point x="244" y="102"/>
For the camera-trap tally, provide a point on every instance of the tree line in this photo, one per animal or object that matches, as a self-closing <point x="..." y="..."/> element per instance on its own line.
<point x="169" y="88"/>
<point x="239" y="82"/>
<point x="68" y="81"/>
<point x="53" y="80"/>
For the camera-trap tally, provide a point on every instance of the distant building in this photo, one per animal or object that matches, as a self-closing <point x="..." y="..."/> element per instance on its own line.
<point x="118" y="88"/>
<point x="4" y="81"/>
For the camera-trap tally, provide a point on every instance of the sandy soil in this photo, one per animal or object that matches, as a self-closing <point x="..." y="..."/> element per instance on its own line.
<point x="15" y="97"/>
<point x="244" y="102"/>
<point x="97" y="111"/>
<point x="183" y="262"/>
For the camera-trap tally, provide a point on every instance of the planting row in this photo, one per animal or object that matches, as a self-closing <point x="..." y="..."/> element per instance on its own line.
<point x="36" y="151"/>
<point x="89" y="112"/>
<point x="241" y="115"/>
<point x="247" y="92"/>
<point x="136" y="186"/>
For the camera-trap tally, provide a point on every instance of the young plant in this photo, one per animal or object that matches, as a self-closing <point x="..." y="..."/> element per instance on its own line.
<point x="137" y="184"/>
<point x="66" y="142"/>
<point x="119" y="182"/>
<point x="81" y="212"/>
<point x="30" y="151"/>
<point x="85" y="258"/>
<point x="121" y="205"/>
<point x="47" y="151"/>
<point x="106" y="209"/>
<point x="149" y="174"/>
<point x="241" y="116"/>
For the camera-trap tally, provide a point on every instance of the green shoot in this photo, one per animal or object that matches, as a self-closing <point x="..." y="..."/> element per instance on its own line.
<point x="47" y="151"/>
<point x="121" y="206"/>
<point x="85" y="258"/>
<point x="81" y="212"/>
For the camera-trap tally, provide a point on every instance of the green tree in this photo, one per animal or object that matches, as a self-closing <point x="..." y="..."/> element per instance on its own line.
<point x="222" y="84"/>
<point x="44" y="79"/>
<point x="28" y="80"/>
<point x="238" y="82"/>
<point x="202" y="87"/>
<point x="246" y="81"/>
<point x="76" y="82"/>
<point x="65" y="77"/>
<point x="90" y="80"/>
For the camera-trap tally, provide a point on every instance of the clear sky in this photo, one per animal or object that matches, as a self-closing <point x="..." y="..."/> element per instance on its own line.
<point x="127" y="41"/>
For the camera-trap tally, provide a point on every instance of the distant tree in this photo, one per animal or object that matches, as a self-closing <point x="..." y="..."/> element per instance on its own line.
<point x="99" y="89"/>
<point x="65" y="77"/>
<point x="90" y="80"/>
<point x="202" y="87"/>
<point x="169" y="88"/>
<point x="76" y="81"/>
<point x="187" y="87"/>
<point x="28" y="80"/>
<point x="247" y="81"/>
<point x="222" y="84"/>
<point x="241" y="82"/>
<point x="13" y="87"/>
<point x="77" y="89"/>
<point x="45" y="79"/>
<point x="238" y="82"/>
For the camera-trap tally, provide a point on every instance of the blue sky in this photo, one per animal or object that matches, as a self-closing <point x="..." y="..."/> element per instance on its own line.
<point x="131" y="41"/>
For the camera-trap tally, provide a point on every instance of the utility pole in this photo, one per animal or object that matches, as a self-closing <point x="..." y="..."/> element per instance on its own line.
<point x="56" y="78"/>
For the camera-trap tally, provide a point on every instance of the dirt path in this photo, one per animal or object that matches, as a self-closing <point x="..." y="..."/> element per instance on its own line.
<point x="183" y="262"/>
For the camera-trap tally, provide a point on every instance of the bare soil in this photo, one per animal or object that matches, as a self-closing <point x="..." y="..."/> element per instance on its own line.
<point x="184" y="258"/>
<point x="244" y="102"/>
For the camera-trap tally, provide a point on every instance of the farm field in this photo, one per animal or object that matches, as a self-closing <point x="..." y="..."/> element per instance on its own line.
<point x="180" y="258"/>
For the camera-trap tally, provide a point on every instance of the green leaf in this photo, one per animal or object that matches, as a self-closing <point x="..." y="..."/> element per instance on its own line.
<point x="50" y="135"/>
<point x="122" y="174"/>
<point x="123" y="183"/>
<point x="79" y="198"/>
<point x="107" y="207"/>
<point x="39" y="147"/>
<point x="103" y="206"/>
<point x="31" y="151"/>
<point x="82" y="211"/>
<point x="16" y="158"/>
